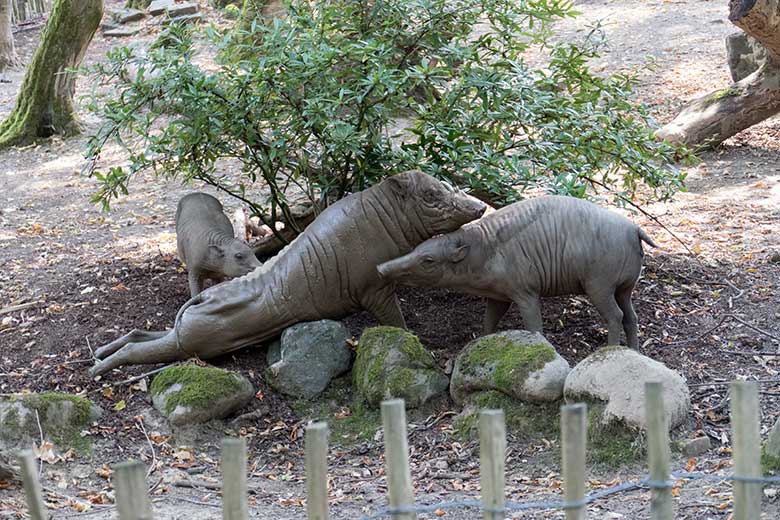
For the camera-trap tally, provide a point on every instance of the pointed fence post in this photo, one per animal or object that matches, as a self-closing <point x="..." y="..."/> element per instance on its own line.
<point x="132" y="493"/>
<point x="32" y="486"/>
<point x="234" y="487"/>
<point x="746" y="449"/>
<point x="317" y="471"/>
<point x="573" y="443"/>
<point x="658" y="451"/>
<point x="399" y="475"/>
<point x="492" y="459"/>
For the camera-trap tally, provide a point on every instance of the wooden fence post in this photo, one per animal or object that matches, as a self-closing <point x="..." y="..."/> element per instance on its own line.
<point x="317" y="471"/>
<point x="399" y="475"/>
<point x="132" y="493"/>
<point x="32" y="486"/>
<point x="234" y="486"/>
<point x="492" y="459"/>
<point x="746" y="442"/>
<point x="573" y="444"/>
<point x="658" y="451"/>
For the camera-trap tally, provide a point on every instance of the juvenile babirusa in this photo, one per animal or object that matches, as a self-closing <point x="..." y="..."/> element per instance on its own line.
<point x="547" y="246"/>
<point x="205" y="241"/>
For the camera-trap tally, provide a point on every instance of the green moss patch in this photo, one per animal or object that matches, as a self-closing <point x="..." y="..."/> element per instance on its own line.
<point x="527" y="420"/>
<point x="200" y="386"/>
<point x="769" y="463"/>
<point x="720" y="94"/>
<point x="349" y="419"/>
<point x="613" y="443"/>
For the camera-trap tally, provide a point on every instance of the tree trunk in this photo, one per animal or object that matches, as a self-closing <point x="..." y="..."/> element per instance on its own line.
<point x="44" y="105"/>
<point x="716" y="116"/>
<point x="8" y="57"/>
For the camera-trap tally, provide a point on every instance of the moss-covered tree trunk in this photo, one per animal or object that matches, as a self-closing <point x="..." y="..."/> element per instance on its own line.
<point x="8" y="57"/>
<point x="44" y="105"/>
<point x="714" y="117"/>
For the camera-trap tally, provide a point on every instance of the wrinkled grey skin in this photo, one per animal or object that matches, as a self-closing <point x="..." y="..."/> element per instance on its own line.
<point x="205" y="241"/>
<point x="328" y="272"/>
<point x="548" y="246"/>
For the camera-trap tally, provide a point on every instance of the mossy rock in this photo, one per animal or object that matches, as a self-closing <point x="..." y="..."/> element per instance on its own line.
<point x="391" y="362"/>
<point x="189" y="394"/>
<point x="63" y="418"/>
<point x="518" y="363"/>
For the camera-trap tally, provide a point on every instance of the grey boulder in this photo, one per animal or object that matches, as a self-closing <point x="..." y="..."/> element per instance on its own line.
<point x="310" y="354"/>
<point x="517" y="363"/>
<point x="617" y="376"/>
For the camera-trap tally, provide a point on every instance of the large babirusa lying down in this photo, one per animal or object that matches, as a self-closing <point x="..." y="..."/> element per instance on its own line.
<point x="329" y="271"/>
<point x="205" y="241"/>
<point x="547" y="246"/>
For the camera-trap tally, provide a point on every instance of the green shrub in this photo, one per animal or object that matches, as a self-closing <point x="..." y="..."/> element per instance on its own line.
<point x="339" y="94"/>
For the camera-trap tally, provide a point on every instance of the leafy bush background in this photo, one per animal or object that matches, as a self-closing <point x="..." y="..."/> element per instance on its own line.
<point x="339" y="94"/>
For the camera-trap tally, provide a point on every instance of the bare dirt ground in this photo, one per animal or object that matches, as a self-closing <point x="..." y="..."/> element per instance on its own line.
<point x="93" y="276"/>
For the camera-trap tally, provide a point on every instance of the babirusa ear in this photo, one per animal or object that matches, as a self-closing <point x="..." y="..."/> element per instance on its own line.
<point x="402" y="184"/>
<point x="461" y="250"/>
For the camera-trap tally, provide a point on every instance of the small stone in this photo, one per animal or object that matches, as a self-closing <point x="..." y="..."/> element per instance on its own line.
<point x="107" y="25"/>
<point x="159" y="7"/>
<point x="190" y="18"/>
<point x="775" y="258"/>
<point x="121" y="33"/>
<point x="124" y="16"/>
<point x="179" y="10"/>
<point x="441" y="465"/>
<point x="697" y="446"/>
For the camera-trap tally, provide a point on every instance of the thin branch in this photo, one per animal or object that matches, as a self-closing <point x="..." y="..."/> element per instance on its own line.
<point x="142" y="376"/>
<point x="644" y="212"/>
<point x="140" y="425"/>
<point x="723" y="319"/>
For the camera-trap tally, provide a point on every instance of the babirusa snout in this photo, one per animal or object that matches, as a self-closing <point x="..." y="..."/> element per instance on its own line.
<point x="392" y="269"/>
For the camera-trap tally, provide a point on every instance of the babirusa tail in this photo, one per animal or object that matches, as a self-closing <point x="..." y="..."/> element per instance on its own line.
<point x="644" y="237"/>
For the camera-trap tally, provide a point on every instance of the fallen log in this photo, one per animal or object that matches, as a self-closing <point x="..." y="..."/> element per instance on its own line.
<point x="714" y="117"/>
